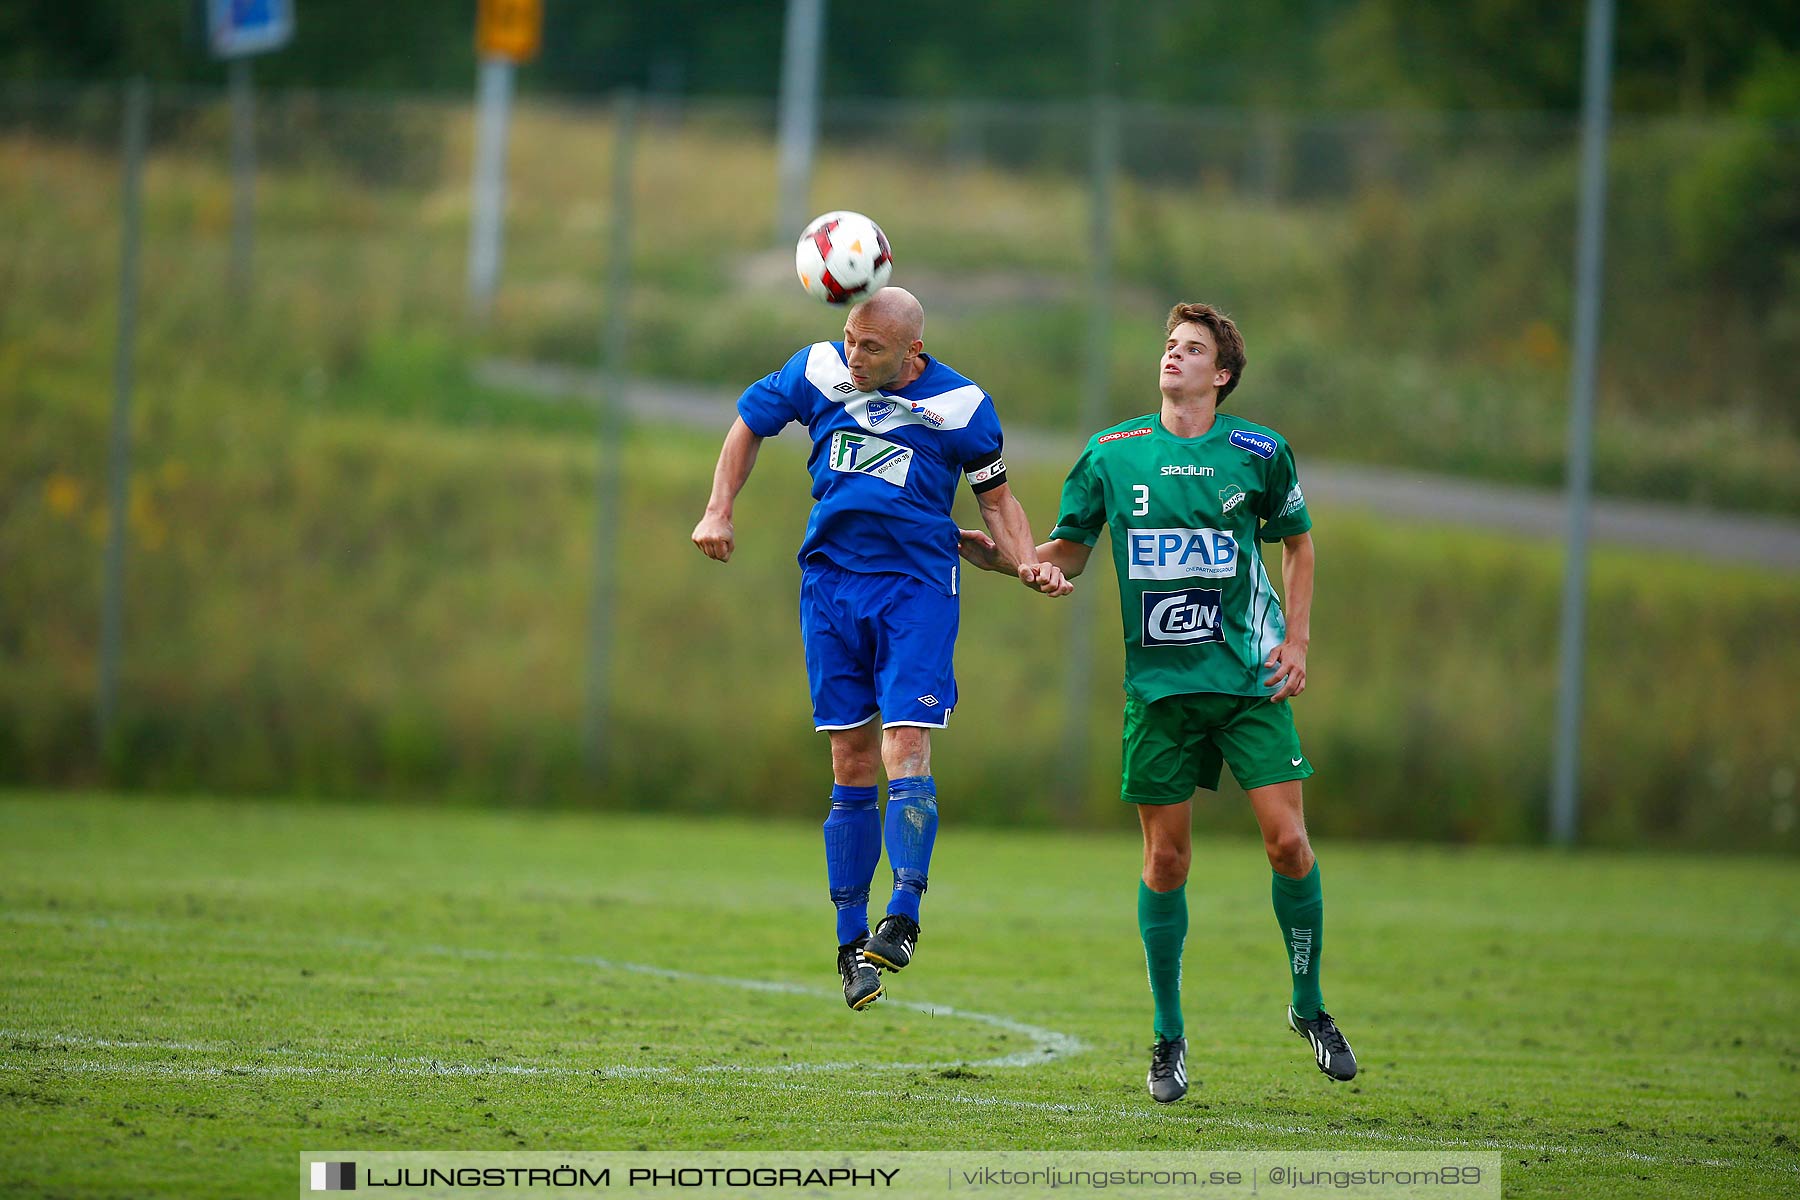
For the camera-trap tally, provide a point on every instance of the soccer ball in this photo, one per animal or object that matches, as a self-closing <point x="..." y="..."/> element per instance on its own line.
<point x="843" y="257"/>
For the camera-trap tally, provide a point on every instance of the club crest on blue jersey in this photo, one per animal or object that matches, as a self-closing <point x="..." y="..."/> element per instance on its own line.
<point x="879" y="411"/>
<point x="1256" y="443"/>
<point x="1189" y="617"/>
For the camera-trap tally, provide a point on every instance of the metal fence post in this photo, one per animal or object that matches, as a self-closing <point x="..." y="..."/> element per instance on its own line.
<point x="1103" y="166"/>
<point x="613" y="352"/>
<point x="118" y="469"/>
<point x="487" y="214"/>
<point x="243" y="173"/>
<point x="798" y="119"/>
<point x="1590" y="239"/>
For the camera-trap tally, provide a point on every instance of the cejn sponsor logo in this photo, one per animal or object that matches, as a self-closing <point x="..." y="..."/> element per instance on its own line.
<point x="1124" y="433"/>
<point x="859" y="454"/>
<point x="1255" y="443"/>
<point x="1186" y="469"/>
<point x="1180" y="554"/>
<point x="1189" y="617"/>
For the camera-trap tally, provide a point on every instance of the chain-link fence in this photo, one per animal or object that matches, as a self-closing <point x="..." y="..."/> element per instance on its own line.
<point x="360" y="527"/>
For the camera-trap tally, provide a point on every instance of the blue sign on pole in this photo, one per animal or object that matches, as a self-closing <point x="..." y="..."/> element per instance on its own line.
<point x="240" y="27"/>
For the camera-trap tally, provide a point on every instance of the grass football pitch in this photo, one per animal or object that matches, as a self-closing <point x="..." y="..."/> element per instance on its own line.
<point x="195" y="990"/>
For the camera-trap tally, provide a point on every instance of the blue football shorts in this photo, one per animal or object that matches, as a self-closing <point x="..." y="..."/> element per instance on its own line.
<point x="876" y="643"/>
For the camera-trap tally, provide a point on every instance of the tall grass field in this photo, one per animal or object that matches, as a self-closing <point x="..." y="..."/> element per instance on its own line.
<point x="354" y="569"/>
<point x="194" y="990"/>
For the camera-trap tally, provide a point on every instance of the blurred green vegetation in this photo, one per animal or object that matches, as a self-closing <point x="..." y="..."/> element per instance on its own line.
<point x="1683" y="56"/>
<point x="357" y="571"/>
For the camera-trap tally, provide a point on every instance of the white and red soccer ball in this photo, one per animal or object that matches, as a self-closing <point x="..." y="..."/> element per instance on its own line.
<point x="842" y="258"/>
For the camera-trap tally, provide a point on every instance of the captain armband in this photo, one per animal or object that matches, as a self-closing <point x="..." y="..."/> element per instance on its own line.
<point x="985" y="476"/>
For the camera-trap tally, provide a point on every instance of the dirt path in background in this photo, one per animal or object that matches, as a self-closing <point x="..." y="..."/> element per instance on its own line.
<point x="1401" y="493"/>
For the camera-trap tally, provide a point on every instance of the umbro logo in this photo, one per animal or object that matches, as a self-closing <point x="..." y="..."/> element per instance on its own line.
<point x="845" y="387"/>
<point x="928" y="701"/>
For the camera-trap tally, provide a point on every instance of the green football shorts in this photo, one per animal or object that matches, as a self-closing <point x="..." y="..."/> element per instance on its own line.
<point x="1178" y="743"/>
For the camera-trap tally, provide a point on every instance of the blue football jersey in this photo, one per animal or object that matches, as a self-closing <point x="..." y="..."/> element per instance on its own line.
<point x="884" y="465"/>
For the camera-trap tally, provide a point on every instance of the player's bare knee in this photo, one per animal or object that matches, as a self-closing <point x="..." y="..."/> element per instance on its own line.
<point x="1290" y="853"/>
<point x="906" y="751"/>
<point x="1166" y="866"/>
<point x="855" y="756"/>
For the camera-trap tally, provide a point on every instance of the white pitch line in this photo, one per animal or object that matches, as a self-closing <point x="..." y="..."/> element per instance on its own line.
<point x="1089" y="1113"/>
<point x="1051" y="1046"/>
<point x="1048" y="1045"/>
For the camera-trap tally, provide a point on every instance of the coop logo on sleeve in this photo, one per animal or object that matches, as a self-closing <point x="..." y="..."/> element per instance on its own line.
<point x="1180" y="553"/>
<point x="334" y="1177"/>
<point x="1189" y="617"/>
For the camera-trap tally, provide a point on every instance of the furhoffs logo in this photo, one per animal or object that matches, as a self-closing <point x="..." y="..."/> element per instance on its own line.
<point x="334" y="1177"/>
<point x="1255" y="443"/>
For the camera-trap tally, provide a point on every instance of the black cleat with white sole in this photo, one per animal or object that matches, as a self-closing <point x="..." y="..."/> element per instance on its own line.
<point x="892" y="945"/>
<point x="1330" y="1049"/>
<point x="862" y="982"/>
<point x="1168" y="1070"/>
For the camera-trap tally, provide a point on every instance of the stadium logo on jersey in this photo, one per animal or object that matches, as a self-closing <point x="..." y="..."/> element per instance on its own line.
<point x="1255" y="443"/>
<point x="1186" y="469"/>
<point x="1124" y="433"/>
<point x="879" y="411"/>
<point x="857" y="454"/>
<point x="1180" y="553"/>
<point x="1230" y="498"/>
<point x="1189" y="617"/>
<point x="1296" y="499"/>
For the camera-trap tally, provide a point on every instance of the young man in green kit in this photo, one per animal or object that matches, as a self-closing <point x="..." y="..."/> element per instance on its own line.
<point x="1210" y="659"/>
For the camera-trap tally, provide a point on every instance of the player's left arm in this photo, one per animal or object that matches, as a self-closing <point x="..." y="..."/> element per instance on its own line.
<point x="1010" y="528"/>
<point x="1287" y="662"/>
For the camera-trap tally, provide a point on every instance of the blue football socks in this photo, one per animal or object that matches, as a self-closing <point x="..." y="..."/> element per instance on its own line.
<point x="852" y="850"/>
<point x="912" y="820"/>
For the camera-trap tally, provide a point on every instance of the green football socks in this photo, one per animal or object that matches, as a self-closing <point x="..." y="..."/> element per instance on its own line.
<point x="1300" y="908"/>
<point x="1163" y="923"/>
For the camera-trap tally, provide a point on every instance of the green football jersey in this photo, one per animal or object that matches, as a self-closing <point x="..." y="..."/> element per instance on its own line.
<point x="1186" y="514"/>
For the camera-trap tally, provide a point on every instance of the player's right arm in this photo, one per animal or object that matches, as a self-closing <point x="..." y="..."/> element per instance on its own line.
<point x="1083" y="509"/>
<point x="714" y="534"/>
<point x="980" y="551"/>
